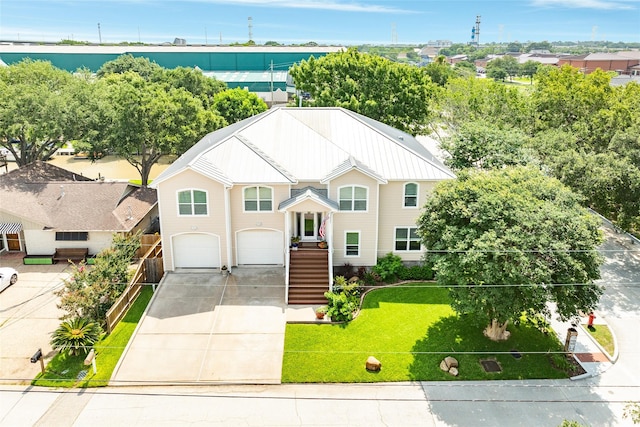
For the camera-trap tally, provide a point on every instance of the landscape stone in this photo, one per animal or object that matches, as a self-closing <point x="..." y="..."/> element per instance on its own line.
<point x="373" y="364"/>
<point x="443" y="366"/>
<point x="453" y="371"/>
<point x="451" y="362"/>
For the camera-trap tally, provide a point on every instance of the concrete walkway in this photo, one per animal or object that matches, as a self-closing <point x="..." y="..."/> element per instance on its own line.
<point x="201" y="327"/>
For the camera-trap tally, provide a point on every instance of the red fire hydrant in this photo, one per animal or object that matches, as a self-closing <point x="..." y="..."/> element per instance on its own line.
<point x="592" y="316"/>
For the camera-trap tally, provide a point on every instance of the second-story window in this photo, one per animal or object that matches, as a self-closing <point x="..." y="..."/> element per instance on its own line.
<point x="258" y="199"/>
<point x="192" y="202"/>
<point x="411" y="195"/>
<point x="353" y="198"/>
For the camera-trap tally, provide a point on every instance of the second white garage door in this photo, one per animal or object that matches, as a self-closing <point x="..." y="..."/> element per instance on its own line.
<point x="260" y="247"/>
<point x="196" y="250"/>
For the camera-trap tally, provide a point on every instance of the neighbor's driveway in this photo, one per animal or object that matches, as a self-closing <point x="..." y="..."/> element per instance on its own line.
<point x="201" y="327"/>
<point x="28" y="316"/>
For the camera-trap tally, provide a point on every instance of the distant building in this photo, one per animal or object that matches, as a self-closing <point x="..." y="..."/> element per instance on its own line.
<point x="620" y="62"/>
<point x="439" y="43"/>
<point x="243" y="66"/>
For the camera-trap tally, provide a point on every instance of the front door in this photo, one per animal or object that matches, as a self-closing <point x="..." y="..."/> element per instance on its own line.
<point x="310" y="224"/>
<point x="13" y="242"/>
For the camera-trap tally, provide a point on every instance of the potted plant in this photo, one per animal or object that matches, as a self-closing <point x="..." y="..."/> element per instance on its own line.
<point x="295" y="241"/>
<point x="321" y="311"/>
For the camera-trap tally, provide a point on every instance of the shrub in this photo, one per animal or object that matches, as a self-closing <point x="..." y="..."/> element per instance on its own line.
<point x="388" y="267"/>
<point x="346" y="270"/>
<point x="370" y="278"/>
<point x="416" y="272"/>
<point x="351" y="289"/>
<point x="90" y="292"/>
<point x="75" y="334"/>
<point x="340" y="307"/>
<point x="343" y="300"/>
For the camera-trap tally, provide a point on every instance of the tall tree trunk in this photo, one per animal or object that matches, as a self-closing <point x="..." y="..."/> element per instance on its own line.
<point x="496" y="331"/>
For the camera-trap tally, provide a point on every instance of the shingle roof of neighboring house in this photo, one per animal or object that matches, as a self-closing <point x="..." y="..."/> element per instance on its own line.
<point x="40" y="171"/>
<point x="289" y="145"/>
<point x="68" y="205"/>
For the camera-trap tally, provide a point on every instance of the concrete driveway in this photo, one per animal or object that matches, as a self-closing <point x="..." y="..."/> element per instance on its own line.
<point x="28" y="315"/>
<point x="201" y="327"/>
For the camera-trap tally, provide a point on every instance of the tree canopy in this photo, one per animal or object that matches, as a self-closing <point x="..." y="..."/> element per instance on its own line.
<point x="238" y="104"/>
<point x="141" y="121"/>
<point x="486" y="146"/>
<point x="506" y="242"/>
<point x="396" y="94"/>
<point x="41" y="108"/>
<point x="127" y="62"/>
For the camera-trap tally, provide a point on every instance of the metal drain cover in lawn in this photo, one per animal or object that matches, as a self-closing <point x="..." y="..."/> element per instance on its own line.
<point x="490" y="365"/>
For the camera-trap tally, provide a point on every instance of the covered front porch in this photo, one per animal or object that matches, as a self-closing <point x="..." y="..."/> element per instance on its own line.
<point x="308" y="261"/>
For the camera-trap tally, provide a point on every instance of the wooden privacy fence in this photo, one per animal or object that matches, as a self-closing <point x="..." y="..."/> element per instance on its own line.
<point x="150" y="270"/>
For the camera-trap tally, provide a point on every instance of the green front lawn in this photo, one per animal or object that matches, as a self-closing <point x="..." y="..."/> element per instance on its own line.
<point x="410" y="329"/>
<point x="63" y="370"/>
<point x="602" y="334"/>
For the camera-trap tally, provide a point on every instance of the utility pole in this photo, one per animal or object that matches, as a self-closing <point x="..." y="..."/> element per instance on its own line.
<point x="271" y="82"/>
<point x="99" y="34"/>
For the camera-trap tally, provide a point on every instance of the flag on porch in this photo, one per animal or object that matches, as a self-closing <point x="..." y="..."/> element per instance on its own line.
<point x="323" y="227"/>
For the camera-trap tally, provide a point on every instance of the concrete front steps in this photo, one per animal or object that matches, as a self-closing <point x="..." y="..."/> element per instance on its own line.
<point x="308" y="276"/>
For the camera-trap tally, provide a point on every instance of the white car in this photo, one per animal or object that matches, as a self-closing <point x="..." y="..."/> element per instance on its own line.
<point x="8" y="276"/>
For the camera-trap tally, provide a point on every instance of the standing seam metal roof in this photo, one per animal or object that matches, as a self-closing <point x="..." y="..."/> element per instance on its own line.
<point x="284" y="145"/>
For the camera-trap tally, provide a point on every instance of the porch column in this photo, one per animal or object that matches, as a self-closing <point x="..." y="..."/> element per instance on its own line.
<point x="227" y="220"/>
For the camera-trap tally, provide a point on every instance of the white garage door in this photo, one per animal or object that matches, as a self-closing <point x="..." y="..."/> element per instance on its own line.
<point x="196" y="250"/>
<point x="260" y="247"/>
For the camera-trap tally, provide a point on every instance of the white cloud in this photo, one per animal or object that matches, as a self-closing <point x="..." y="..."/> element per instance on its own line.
<point x="335" y="5"/>
<point x="585" y="4"/>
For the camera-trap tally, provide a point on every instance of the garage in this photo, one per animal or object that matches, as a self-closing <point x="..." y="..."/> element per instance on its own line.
<point x="260" y="247"/>
<point x="196" y="250"/>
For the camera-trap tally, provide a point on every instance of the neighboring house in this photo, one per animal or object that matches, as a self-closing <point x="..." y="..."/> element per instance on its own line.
<point x="620" y="62"/>
<point x="44" y="207"/>
<point x="239" y="195"/>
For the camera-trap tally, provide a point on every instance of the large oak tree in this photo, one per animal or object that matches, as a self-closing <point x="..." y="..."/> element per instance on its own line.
<point x="507" y="242"/>
<point x="142" y="121"/>
<point x="41" y="109"/>
<point x="396" y="94"/>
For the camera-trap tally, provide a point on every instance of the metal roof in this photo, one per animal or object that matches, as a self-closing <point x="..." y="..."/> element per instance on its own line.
<point x="309" y="193"/>
<point x="248" y="76"/>
<point x="285" y="145"/>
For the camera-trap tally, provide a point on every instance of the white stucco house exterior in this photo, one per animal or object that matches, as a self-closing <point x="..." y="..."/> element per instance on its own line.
<point x="240" y="194"/>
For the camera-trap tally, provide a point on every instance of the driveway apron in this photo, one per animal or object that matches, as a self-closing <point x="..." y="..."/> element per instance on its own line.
<point x="201" y="327"/>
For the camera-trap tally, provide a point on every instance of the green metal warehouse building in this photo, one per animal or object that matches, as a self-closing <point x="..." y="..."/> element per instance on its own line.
<point x="256" y="68"/>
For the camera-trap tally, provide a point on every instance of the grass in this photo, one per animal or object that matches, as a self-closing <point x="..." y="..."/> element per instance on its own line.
<point x="63" y="369"/>
<point x="602" y="334"/>
<point x="410" y="329"/>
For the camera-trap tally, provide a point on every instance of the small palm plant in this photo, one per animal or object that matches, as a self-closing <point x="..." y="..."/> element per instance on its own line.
<point x="75" y="334"/>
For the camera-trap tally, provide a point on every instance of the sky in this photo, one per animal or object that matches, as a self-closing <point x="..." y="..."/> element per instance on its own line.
<point x="333" y="22"/>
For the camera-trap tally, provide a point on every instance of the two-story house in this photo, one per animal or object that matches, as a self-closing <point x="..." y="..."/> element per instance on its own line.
<point x="241" y="193"/>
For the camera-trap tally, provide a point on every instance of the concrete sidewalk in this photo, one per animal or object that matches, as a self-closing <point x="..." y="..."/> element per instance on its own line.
<point x="202" y="327"/>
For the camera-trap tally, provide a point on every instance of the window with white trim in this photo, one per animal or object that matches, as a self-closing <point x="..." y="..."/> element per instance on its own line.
<point x="411" y="195"/>
<point x="407" y="239"/>
<point x="192" y="202"/>
<point x="353" y="198"/>
<point x="352" y="243"/>
<point x="258" y="199"/>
